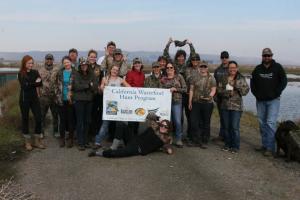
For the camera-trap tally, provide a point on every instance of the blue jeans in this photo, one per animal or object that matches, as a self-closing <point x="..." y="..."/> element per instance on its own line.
<point x="83" y="116"/>
<point x="102" y="132"/>
<point x="267" y="113"/>
<point x="176" y="114"/>
<point x="232" y="128"/>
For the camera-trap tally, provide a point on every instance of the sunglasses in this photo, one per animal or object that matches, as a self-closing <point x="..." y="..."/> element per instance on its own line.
<point x="155" y="67"/>
<point x="203" y="66"/>
<point x="267" y="55"/>
<point x="169" y="67"/>
<point x="225" y="57"/>
<point x="164" y="126"/>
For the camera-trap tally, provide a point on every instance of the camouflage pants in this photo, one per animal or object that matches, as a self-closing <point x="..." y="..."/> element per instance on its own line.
<point x="46" y="104"/>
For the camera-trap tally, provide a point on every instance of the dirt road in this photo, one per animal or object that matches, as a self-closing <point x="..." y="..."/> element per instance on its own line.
<point x="189" y="174"/>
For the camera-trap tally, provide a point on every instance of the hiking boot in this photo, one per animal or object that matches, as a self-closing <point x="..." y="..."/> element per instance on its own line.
<point x="217" y="139"/>
<point x="28" y="146"/>
<point x="38" y="142"/>
<point x="179" y="144"/>
<point x="260" y="149"/>
<point x="268" y="153"/>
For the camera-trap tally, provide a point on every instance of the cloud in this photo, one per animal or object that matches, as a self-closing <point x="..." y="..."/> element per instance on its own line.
<point x="91" y="19"/>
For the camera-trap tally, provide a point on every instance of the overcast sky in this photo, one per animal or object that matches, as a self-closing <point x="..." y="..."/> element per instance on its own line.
<point x="243" y="28"/>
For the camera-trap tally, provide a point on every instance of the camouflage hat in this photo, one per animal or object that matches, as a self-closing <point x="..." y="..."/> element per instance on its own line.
<point x="117" y="51"/>
<point x="179" y="43"/>
<point x="83" y="61"/>
<point x="267" y="51"/>
<point x="49" y="56"/>
<point x="195" y="57"/>
<point x="155" y="64"/>
<point x="136" y="60"/>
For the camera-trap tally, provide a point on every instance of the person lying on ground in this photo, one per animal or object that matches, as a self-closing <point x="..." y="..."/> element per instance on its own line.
<point x="155" y="137"/>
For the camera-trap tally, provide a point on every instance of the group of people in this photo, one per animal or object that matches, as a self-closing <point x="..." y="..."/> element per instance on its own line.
<point x="74" y="94"/>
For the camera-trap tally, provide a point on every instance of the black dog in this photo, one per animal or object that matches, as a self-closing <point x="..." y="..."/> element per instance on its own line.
<point x="287" y="138"/>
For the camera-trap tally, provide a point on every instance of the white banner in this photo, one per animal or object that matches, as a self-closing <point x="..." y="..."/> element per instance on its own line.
<point x="133" y="104"/>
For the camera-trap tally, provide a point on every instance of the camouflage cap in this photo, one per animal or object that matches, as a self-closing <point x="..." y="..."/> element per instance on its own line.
<point x="117" y="51"/>
<point x="49" y="56"/>
<point x="136" y="60"/>
<point x="195" y="57"/>
<point x="83" y="61"/>
<point x="267" y="51"/>
<point x="155" y="64"/>
<point x="179" y="43"/>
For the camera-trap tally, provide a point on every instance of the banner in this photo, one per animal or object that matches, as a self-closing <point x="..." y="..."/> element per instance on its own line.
<point x="133" y="104"/>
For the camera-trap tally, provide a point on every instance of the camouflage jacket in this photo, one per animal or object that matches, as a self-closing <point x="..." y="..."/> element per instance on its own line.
<point x="107" y="64"/>
<point x="232" y="100"/>
<point x="189" y="73"/>
<point x="152" y="81"/>
<point x="202" y="87"/>
<point x="176" y="82"/>
<point x="47" y="90"/>
<point x="58" y="84"/>
<point x="180" y="68"/>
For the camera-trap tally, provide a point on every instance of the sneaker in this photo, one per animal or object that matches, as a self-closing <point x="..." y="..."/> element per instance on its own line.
<point x="234" y="151"/>
<point x="225" y="148"/>
<point x="179" y="144"/>
<point x="92" y="153"/>
<point x="96" y="146"/>
<point x="268" y="153"/>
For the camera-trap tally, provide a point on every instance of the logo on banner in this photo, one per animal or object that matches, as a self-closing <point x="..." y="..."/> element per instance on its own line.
<point x="111" y="107"/>
<point x="140" y="111"/>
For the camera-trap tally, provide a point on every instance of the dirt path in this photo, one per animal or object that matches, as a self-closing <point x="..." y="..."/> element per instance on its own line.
<point x="192" y="173"/>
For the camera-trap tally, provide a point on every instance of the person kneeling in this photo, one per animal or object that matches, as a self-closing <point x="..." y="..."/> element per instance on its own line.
<point x="156" y="136"/>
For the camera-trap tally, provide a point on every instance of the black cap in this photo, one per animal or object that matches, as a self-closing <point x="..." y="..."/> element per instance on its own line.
<point x="224" y="54"/>
<point x="49" y="56"/>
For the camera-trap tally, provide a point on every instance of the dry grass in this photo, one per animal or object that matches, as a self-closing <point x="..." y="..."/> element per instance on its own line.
<point x="10" y="190"/>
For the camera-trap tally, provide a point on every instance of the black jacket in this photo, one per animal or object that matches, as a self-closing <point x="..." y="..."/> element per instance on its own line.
<point x="148" y="141"/>
<point x="28" y="85"/>
<point x="268" y="83"/>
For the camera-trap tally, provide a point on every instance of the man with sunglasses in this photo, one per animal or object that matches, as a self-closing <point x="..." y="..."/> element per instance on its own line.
<point x="220" y="72"/>
<point x="267" y="83"/>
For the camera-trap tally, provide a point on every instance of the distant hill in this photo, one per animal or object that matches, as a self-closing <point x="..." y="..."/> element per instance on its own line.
<point x="147" y="56"/>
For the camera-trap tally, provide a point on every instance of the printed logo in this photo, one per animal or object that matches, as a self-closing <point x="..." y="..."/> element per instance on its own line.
<point x="126" y="111"/>
<point x="111" y="107"/>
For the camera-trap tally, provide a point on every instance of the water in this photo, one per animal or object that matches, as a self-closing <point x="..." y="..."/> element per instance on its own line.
<point x="289" y="102"/>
